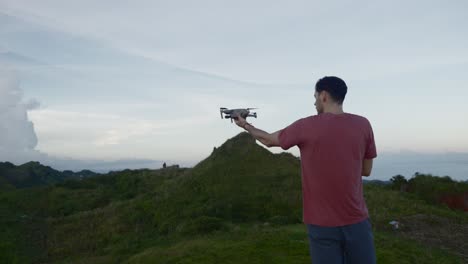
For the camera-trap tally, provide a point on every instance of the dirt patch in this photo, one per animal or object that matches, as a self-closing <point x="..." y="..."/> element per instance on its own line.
<point x="437" y="232"/>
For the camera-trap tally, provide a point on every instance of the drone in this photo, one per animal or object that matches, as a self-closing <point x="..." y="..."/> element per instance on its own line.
<point x="233" y="113"/>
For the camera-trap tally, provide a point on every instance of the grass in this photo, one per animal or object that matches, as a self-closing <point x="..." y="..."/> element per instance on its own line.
<point x="386" y="205"/>
<point x="124" y="231"/>
<point x="285" y="244"/>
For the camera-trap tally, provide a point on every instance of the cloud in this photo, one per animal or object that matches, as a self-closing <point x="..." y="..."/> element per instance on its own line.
<point x="119" y="131"/>
<point x="284" y="41"/>
<point x="18" y="138"/>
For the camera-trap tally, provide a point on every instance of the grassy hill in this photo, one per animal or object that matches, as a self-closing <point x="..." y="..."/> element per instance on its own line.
<point x="33" y="174"/>
<point x="242" y="204"/>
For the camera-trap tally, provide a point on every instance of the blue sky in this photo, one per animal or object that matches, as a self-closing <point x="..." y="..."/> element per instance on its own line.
<point x="142" y="82"/>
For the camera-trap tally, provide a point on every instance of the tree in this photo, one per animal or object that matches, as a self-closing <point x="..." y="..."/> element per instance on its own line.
<point x="399" y="182"/>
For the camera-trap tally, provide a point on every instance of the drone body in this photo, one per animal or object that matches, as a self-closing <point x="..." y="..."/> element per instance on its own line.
<point x="233" y="113"/>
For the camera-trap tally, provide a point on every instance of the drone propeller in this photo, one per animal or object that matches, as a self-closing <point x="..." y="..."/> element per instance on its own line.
<point x="221" y="109"/>
<point x="251" y="108"/>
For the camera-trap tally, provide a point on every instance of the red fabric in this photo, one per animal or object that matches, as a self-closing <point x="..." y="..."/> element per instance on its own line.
<point x="332" y="148"/>
<point x="458" y="201"/>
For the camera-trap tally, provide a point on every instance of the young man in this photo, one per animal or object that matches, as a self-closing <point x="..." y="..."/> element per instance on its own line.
<point x="337" y="148"/>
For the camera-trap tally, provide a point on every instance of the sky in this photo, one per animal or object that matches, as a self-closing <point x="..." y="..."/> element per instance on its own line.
<point x="117" y="84"/>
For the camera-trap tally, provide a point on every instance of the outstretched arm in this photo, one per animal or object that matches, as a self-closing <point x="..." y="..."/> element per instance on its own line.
<point x="267" y="139"/>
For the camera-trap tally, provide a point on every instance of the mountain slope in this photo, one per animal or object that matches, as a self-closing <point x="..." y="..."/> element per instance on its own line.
<point x="239" y="181"/>
<point x="34" y="174"/>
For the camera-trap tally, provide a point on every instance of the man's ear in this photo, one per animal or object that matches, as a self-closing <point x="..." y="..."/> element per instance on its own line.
<point x="324" y="96"/>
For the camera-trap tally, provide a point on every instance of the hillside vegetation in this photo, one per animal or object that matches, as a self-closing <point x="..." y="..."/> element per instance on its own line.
<point x="33" y="174"/>
<point x="242" y="204"/>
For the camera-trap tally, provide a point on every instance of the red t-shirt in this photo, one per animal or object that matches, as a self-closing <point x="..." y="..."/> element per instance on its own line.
<point x="333" y="147"/>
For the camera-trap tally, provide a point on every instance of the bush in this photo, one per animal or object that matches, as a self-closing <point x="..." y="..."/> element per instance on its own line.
<point x="398" y="181"/>
<point x="8" y="253"/>
<point x="200" y="225"/>
<point x="433" y="189"/>
<point x="282" y="220"/>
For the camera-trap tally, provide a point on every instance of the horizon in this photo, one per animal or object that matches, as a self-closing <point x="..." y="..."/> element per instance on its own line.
<point x="81" y="88"/>
<point x="391" y="164"/>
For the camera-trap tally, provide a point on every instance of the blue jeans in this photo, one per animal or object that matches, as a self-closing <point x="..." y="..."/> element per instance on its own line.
<point x="348" y="244"/>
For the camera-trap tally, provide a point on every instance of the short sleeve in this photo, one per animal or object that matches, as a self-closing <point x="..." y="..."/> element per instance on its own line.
<point x="371" y="151"/>
<point x="291" y="135"/>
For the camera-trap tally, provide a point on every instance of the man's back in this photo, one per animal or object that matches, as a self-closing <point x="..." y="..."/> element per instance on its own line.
<point x="333" y="147"/>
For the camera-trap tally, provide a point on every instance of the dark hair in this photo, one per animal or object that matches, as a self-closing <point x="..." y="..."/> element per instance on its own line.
<point x="335" y="86"/>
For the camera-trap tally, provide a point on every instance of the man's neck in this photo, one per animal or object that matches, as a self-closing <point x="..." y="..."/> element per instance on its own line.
<point x="335" y="109"/>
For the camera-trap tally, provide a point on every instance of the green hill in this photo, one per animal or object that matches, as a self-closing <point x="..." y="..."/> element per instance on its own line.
<point x="242" y="204"/>
<point x="34" y="174"/>
<point x="224" y="185"/>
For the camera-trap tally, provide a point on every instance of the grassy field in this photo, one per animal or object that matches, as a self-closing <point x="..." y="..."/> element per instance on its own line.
<point x="121" y="232"/>
<point x="267" y="244"/>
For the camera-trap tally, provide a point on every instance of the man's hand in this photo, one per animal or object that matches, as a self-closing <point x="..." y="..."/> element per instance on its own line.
<point x="269" y="140"/>
<point x="240" y="121"/>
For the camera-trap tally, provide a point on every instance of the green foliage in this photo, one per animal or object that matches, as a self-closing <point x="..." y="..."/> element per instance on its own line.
<point x="431" y="188"/>
<point x="8" y="253"/>
<point x="246" y="245"/>
<point x="33" y="174"/>
<point x="200" y="225"/>
<point x="241" y="204"/>
<point x="282" y="245"/>
<point x="281" y="220"/>
<point x="263" y="186"/>
<point x="392" y="249"/>
<point x="398" y="181"/>
<point x="385" y="205"/>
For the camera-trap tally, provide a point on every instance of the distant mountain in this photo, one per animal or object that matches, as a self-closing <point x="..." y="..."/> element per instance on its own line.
<point x="35" y="174"/>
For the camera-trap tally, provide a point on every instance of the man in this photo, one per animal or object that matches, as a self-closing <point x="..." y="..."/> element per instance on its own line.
<point x="337" y="148"/>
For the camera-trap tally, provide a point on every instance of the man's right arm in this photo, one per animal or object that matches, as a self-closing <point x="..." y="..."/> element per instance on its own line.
<point x="370" y="152"/>
<point x="367" y="167"/>
<point x="267" y="139"/>
<point x="290" y="136"/>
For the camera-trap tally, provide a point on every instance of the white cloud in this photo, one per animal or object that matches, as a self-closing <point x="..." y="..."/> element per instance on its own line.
<point x="67" y="134"/>
<point x="82" y="134"/>
<point x="18" y="139"/>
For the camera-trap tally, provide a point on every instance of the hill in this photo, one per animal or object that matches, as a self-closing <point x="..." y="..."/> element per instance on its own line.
<point x="223" y="185"/>
<point x="34" y="174"/>
<point x="242" y="204"/>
